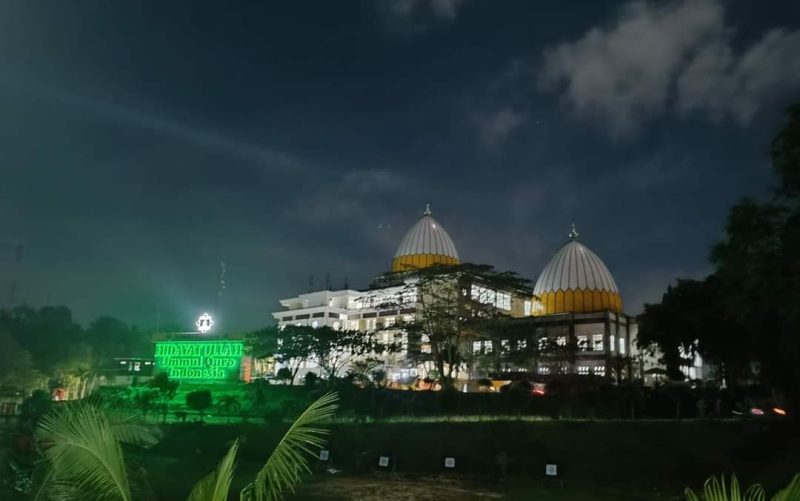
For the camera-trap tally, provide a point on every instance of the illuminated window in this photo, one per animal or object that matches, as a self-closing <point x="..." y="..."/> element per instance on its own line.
<point x="621" y="345"/>
<point x="370" y="324"/>
<point x="583" y="370"/>
<point x="544" y="369"/>
<point x="527" y="307"/>
<point x="476" y="347"/>
<point x="389" y="321"/>
<point x="542" y="343"/>
<point x="503" y="301"/>
<point x="487" y="346"/>
<point x="522" y="344"/>
<point x="425" y="346"/>
<point x="583" y="343"/>
<point x="561" y="340"/>
<point x="599" y="370"/>
<point x="485" y="295"/>
<point x="505" y="344"/>
<point x="597" y="340"/>
<point x="611" y="344"/>
<point x="408" y="318"/>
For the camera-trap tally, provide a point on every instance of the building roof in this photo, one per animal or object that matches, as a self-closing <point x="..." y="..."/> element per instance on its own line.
<point x="426" y="243"/>
<point x="576" y="269"/>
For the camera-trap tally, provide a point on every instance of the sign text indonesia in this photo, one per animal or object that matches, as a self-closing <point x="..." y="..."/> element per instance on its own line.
<point x="200" y="360"/>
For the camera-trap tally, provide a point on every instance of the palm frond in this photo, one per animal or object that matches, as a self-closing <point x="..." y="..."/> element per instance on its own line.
<point x="790" y="492"/>
<point x="83" y="452"/>
<point x="129" y="427"/>
<point x="289" y="460"/>
<point x="215" y="486"/>
<point x="715" y="489"/>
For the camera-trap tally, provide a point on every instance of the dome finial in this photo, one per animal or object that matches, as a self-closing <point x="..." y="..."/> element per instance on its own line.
<point x="573" y="233"/>
<point x="427" y="210"/>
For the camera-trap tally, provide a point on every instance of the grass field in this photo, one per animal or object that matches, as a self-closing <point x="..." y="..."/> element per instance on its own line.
<point x="648" y="460"/>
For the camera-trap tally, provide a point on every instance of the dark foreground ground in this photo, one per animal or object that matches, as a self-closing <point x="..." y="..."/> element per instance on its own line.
<point x="604" y="460"/>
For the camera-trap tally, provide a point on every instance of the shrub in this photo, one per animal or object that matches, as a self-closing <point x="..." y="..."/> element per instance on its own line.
<point x="199" y="400"/>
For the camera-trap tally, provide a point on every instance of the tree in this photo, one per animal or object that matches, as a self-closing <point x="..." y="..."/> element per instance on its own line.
<point x="334" y="350"/>
<point x="691" y="318"/>
<point x="290" y="346"/>
<point x="367" y="370"/>
<point x="199" y="400"/>
<point x="35" y="406"/>
<point x="84" y="457"/>
<point x="166" y="387"/>
<point x="47" y="333"/>
<point x="111" y="338"/>
<point x="16" y="365"/>
<point x="448" y="315"/>
<point x="758" y="267"/>
<point x="285" y="375"/>
<point x="75" y="370"/>
<point x="229" y="404"/>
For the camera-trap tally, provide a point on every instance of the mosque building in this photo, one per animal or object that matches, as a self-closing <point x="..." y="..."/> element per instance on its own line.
<point x="578" y="305"/>
<point x="574" y="312"/>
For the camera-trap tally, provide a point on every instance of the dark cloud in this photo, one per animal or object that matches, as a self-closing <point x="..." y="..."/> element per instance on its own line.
<point x="414" y="16"/>
<point x="657" y="57"/>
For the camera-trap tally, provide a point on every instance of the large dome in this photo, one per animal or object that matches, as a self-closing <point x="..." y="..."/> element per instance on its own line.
<point x="425" y="244"/>
<point x="576" y="280"/>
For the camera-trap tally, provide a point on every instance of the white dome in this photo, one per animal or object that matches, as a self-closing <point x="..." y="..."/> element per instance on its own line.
<point x="426" y="243"/>
<point x="576" y="280"/>
<point x="575" y="267"/>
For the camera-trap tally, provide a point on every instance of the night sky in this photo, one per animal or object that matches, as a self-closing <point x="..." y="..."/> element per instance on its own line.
<point x="141" y="143"/>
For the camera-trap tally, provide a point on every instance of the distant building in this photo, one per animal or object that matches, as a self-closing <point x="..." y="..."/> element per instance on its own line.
<point x="575" y="305"/>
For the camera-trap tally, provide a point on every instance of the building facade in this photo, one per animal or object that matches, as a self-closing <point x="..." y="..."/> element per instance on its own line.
<point x="572" y="322"/>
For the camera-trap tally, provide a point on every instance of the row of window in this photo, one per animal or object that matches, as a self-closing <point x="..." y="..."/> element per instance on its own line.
<point x="381" y="300"/>
<point x="583" y="370"/>
<point x="484" y="295"/>
<point x="485" y="347"/>
<point x="586" y="343"/>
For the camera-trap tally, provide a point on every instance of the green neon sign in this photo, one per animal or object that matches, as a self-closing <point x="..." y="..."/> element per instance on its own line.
<point x="200" y="360"/>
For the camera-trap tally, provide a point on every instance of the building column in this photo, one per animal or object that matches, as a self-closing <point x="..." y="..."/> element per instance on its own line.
<point x="607" y="343"/>
<point x="571" y="343"/>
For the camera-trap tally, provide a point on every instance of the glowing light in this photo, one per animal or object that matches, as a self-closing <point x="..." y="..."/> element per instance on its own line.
<point x="756" y="411"/>
<point x="200" y="360"/>
<point x="204" y="323"/>
<point x="779" y="411"/>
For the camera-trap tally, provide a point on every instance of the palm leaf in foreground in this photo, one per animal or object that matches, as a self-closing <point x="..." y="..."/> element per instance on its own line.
<point x="791" y="492"/>
<point x="289" y="460"/>
<point x="716" y="490"/>
<point x="216" y="485"/>
<point x="83" y="453"/>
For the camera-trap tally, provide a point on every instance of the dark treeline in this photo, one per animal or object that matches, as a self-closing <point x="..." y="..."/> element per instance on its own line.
<point x="745" y="317"/>
<point x="41" y="347"/>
